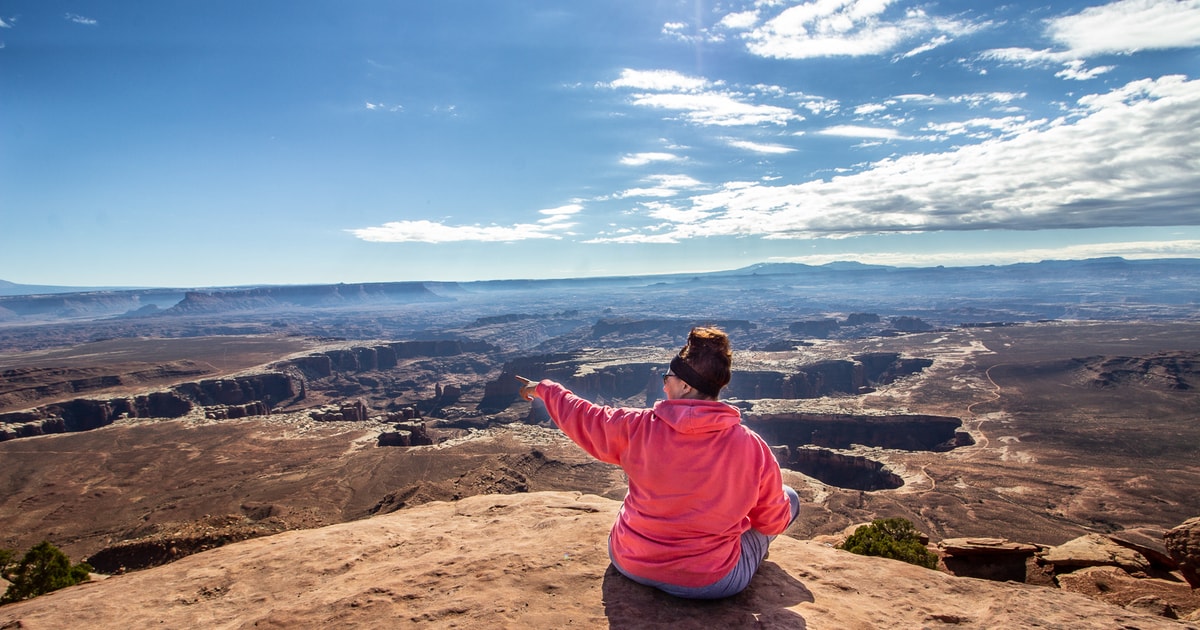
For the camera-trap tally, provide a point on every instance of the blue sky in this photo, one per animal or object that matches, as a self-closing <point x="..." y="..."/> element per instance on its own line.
<point x="173" y="143"/>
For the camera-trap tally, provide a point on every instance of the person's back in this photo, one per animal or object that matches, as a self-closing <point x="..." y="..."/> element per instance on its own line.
<point x="705" y="493"/>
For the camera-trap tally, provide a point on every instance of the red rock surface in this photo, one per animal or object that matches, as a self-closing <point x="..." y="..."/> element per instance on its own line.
<point x="533" y="560"/>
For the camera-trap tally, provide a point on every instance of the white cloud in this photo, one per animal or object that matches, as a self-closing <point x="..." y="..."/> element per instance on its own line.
<point x="1005" y="126"/>
<point x="829" y="28"/>
<point x="642" y="159"/>
<point x="940" y="40"/>
<point x="697" y="100"/>
<point x="662" y="186"/>
<point x="1129" y="157"/>
<point x="1122" y="27"/>
<point x="742" y="20"/>
<point x="433" y="232"/>
<point x="6" y="24"/>
<point x="659" y="81"/>
<point x="855" y="131"/>
<point x="758" y="147"/>
<point x="1128" y="26"/>
<point x="673" y="214"/>
<point x="560" y="217"/>
<point x="79" y="19"/>
<point x="383" y="107"/>
<point x="870" y="108"/>
<point x="717" y="109"/>
<point x="1076" y="71"/>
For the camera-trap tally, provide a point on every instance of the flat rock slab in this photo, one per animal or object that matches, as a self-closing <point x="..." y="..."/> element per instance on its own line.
<point x="1094" y="550"/>
<point x="985" y="546"/>
<point x="536" y="560"/>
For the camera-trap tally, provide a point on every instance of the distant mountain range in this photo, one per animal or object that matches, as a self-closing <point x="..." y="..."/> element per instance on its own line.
<point x="11" y="288"/>
<point x="1093" y="288"/>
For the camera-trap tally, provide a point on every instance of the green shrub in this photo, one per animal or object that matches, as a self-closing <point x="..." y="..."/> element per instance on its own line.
<point x="894" y="538"/>
<point x="43" y="569"/>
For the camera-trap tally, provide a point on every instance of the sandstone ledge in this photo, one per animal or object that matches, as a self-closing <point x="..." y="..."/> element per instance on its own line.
<point x="532" y="560"/>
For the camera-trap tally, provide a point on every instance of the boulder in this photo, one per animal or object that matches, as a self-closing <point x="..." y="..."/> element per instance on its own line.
<point x="1183" y="543"/>
<point x="1152" y="605"/>
<point x="1147" y="541"/>
<point x="1093" y="550"/>
<point x="1164" y="598"/>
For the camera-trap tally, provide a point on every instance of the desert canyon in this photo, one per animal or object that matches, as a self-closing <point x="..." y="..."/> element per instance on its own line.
<point x="357" y="455"/>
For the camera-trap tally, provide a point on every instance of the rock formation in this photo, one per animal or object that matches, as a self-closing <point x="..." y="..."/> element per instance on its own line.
<point x="353" y="411"/>
<point x="1095" y="550"/>
<point x="535" y="560"/>
<point x="987" y="558"/>
<point x="1183" y="543"/>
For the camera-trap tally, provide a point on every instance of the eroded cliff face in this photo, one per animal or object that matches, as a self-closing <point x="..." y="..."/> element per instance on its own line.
<point x="344" y="371"/>
<point x="228" y="398"/>
<point x="640" y="380"/>
<point x="329" y="295"/>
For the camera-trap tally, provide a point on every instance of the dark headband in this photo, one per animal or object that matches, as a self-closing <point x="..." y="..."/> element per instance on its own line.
<point x="690" y="376"/>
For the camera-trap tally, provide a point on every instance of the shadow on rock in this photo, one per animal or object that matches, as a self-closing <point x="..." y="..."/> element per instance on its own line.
<point x="765" y="603"/>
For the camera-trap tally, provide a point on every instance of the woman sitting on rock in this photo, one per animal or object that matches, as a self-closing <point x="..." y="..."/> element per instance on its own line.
<point x="706" y="496"/>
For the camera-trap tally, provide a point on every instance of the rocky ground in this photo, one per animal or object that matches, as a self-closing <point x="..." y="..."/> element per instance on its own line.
<point x="536" y="560"/>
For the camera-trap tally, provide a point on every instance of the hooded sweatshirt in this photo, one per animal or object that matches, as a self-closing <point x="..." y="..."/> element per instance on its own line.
<point x="698" y="479"/>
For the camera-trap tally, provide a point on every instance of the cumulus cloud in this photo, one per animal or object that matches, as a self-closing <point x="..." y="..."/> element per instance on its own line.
<point x="835" y="28"/>
<point x="423" y="231"/>
<point x="1128" y="157"/>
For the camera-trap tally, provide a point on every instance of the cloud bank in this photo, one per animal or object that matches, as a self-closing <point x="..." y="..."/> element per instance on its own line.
<point x="1129" y="157"/>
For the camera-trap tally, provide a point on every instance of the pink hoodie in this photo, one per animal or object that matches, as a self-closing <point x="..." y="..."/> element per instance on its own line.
<point x="698" y="479"/>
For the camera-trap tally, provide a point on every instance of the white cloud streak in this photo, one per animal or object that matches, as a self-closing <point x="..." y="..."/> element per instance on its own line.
<point x="433" y="232"/>
<point x="759" y="147"/>
<point x="855" y="131"/>
<point x="662" y="186"/>
<point x="79" y="19"/>
<point x="699" y="101"/>
<point x="642" y="159"/>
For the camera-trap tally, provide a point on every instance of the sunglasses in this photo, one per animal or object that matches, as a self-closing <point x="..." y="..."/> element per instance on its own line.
<point x="665" y="375"/>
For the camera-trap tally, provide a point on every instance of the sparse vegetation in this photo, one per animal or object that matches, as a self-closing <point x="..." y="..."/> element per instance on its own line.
<point x="894" y="538"/>
<point x="43" y="569"/>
